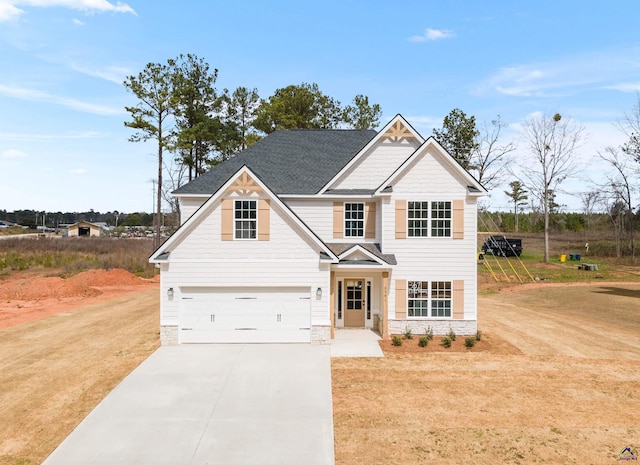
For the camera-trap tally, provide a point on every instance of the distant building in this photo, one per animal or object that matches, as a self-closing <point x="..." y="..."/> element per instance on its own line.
<point x="84" y="229"/>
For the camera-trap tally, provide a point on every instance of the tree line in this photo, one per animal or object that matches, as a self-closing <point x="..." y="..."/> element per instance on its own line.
<point x="179" y="107"/>
<point x="34" y="218"/>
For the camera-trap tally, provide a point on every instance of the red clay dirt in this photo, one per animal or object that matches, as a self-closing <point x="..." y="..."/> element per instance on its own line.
<point x="30" y="295"/>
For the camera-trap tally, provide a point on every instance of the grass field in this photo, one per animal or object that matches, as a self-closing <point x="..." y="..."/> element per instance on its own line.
<point x="557" y="379"/>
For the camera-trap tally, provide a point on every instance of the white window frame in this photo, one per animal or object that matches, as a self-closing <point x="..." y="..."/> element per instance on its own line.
<point x="448" y="222"/>
<point x="248" y="220"/>
<point x="435" y="292"/>
<point x="427" y="228"/>
<point x="346" y="220"/>
<point x="421" y="294"/>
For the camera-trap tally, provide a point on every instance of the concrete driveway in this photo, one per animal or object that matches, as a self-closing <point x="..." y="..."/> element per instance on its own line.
<point x="213" y="404"/>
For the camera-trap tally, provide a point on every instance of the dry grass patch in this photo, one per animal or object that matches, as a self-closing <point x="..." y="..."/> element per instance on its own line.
<point x="57" y="369"/>
<point x="559" y="383"/>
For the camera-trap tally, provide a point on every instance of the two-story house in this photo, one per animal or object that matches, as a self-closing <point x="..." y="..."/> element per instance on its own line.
<point x="311" y="230"/>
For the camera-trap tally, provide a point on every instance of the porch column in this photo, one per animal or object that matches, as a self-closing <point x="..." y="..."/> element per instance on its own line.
<point x="332" y="302"/>
<point x="385" y="305"/>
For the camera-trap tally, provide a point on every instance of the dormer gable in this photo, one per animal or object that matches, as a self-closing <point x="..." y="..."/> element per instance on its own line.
<point x="393" y="144"/>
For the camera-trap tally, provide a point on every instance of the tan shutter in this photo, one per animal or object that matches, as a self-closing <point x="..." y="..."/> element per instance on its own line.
<point x="227" y="220"/>
<point x="458" y="300"/>
<point x="264" y="215"/>
<point x="401" y="219"/>
<point x="401" y="298"/>
<point x="338" y="220"/>
<point x="458" y="219"/>
<point x="370" y="220"/>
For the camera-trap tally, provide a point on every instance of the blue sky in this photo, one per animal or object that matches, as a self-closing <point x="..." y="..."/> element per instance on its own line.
<point x="64" y="147"/>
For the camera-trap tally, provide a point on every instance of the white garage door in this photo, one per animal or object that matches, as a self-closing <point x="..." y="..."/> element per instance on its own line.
<point x="241" y="315"/>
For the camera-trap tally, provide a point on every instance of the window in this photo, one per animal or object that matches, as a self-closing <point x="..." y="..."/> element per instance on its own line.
<point x="418" y="293"/>
<point x="245" y="219"/>
<point x="421" y="295"/>
<point x="354" y="219"/>
<point x="441" y="299"/>
<point x="418" y="214"/>
<point x="441" y="219"/>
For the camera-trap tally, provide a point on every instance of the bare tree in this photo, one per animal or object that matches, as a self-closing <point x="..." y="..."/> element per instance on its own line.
<point x="621" y="188"/>
<point x="552" y="144"/>
<point x="589" y="201"/>
<point x="491" y="156"/>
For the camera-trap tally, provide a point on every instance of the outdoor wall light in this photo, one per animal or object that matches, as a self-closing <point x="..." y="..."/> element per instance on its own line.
<point x="170" y="292"/>
<point x="319" y="292"/>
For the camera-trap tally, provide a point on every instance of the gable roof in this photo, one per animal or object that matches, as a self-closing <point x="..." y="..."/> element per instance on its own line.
<point x="398" y="128"/>
<point x="162" y="253"/>
<point x="289" y="161"/>
<point x="473" y="186"/>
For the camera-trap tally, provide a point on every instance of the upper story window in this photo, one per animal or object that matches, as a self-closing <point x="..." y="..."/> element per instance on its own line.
<point x="418" y="216"/>
<point x="441" y="219"/>
<point x="245" y="219"/>
<point x="354" y="219"/>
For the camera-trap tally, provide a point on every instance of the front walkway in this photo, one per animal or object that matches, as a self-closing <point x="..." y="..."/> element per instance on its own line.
<point x="356" y="342"/>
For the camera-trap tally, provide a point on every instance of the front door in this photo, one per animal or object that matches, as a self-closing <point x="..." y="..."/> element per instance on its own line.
<point x="354" y="302"/>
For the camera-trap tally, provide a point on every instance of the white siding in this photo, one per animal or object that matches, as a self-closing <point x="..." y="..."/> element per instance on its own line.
<point x="376" y="165"/>
<point x="203" y="259"/>
<point x="189" y="205"/>
<point x="317" y="214"/>
<point x="438" y="258"/>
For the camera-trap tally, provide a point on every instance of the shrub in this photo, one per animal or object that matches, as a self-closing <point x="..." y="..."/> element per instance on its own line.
<point x="478" y="335"/>
<point x="469" y="342"/>
<point x="408" y="334"/>
<point x="428" y="333"/>
<point x="451" y="334"/>
<point x="423" y="341"/>
<point x="396" y="340"/>
<point x="446" y="342"/>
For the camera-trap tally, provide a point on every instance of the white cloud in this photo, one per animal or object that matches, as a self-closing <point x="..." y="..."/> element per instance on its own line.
<point x="39" y="96"/>
<point x="31" y="136"/>
<point x="13" y="153"/>
<point x="78" y="171"/>
<point x="433" y="34"/>
<point x="566" y="75"/>
<point x="77" y="22"/>
<point x="115" y="74"/>
<point x="9" y="8"/>
<point x="625" y="87"/>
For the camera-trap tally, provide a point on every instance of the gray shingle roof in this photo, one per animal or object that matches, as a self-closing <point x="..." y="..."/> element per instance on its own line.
<point x="339" y="248"/>
<point x="290" y="161"/>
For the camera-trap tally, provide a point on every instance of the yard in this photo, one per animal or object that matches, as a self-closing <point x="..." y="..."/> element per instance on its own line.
<point x="556" y="379"/>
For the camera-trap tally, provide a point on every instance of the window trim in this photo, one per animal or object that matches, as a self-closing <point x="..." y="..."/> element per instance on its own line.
<point x="427" y="229"/>
<point x="431" y="219"/>
<point x="235" y="220"/>
<point x="362" y="221"/>
<point x="430" y="299"/>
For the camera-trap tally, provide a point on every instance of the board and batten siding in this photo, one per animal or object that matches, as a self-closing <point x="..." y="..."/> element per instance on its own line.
<point x="376" y="165"/>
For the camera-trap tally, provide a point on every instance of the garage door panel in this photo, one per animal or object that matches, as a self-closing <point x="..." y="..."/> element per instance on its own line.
<point x="265" y="315"/>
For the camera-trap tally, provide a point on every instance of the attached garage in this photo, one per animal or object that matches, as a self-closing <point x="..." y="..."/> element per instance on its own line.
<point x="241" y="315"/>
